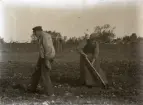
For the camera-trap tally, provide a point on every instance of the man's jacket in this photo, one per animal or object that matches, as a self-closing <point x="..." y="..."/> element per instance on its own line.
<point x="46" y="47"/>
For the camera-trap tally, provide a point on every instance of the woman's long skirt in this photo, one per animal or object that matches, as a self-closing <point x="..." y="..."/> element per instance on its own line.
<point x="86" y="76"/>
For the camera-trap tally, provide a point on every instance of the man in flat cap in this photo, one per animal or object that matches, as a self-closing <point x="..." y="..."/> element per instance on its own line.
<point x="43" y="67"/>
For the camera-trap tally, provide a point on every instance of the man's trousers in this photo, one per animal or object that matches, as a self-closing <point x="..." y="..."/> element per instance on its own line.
<point x="42" y="71"/>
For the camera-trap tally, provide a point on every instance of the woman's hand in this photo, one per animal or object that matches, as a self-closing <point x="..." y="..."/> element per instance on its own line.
<point x="93" y="61"/>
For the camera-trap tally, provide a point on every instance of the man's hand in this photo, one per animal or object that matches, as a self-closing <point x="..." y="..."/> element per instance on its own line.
<point x="47" y="64"/>
<point x="51" y="60"/>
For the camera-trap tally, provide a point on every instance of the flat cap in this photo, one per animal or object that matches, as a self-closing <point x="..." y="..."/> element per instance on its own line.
<point x="37" y="28"/>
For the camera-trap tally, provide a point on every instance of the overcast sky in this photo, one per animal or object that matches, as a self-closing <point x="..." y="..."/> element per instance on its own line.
<point x="73" y="21"/>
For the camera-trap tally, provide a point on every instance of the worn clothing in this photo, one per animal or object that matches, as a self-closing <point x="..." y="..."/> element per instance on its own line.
<point x="46" y="47"/>
<point x="89" y="49"/>
<point x="92" y="47"/>
<point x="87" y="77"/>
<point x="42" y="72"/>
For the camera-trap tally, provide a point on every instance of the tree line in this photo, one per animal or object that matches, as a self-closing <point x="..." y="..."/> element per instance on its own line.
<point x="104" y="34"/>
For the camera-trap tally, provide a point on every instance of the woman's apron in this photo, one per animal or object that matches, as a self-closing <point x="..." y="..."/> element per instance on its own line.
<point x="87" y="77"/>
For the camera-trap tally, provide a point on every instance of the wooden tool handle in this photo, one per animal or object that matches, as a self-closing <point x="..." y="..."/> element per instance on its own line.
<point x="92" y="67"/>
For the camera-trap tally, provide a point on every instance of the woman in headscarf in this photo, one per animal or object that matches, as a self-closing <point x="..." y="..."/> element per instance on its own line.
<point x="91" y="49"/>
